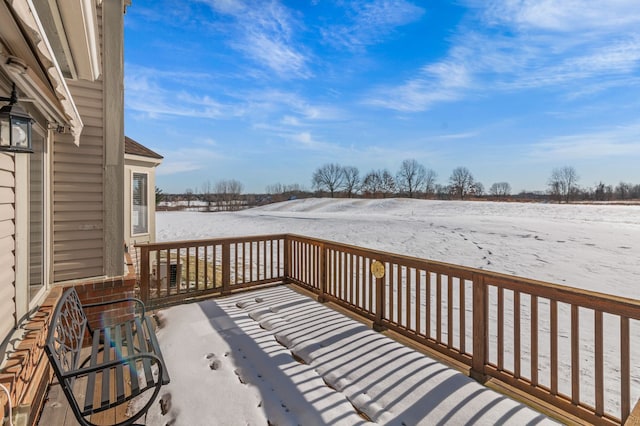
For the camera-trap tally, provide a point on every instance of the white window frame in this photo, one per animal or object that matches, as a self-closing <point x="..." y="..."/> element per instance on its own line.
<point x="148" y="216"/>
<point x="24" y="301"/>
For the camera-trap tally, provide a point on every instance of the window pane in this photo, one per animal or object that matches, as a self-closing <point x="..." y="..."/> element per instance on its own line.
<point x="139" y="208"/>
<point x="36" y="216"/>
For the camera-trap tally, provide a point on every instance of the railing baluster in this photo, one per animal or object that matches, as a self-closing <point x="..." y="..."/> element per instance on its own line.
<point x="371" y="284"/>
<point x="188" y="267"/>
<point x="388" y="298"/>
<point x="279" y="261"/>
<point x="145" y="292"/>
<point x="206" y="266"/>
<point x="500" y="328"/>
<point x="438" y="308"/>
<point x="407" y="299"/>
<point x="450" y="311"/>
<point x="534" y="340"/>
<point x="625" y="369"/>
<point x="516" y="334"/>
<point x="168" y="272"/>
<point x="480" y="319"/>
<point x="399" y="283"/>
<point x="463" y="328"/>
<point x="251" y="267"/>
<point x="553" y="308"/>
<point x="418" y="301"/>
<point x="575" y="355"/>
<point x="215" y="265"/>
<point x="264" y="260"/>
<point x="348" y="270"/>
<point x="599" y="362"/>
<point x="226" y="267"/>
<point x="358" y="273"/>
<point x="427" y="303"/>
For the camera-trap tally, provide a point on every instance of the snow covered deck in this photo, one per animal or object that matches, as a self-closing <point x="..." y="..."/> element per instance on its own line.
<point x="275" y="355"/>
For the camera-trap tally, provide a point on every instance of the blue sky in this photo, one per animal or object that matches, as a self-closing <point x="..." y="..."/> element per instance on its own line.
<point x="265" y="92"/>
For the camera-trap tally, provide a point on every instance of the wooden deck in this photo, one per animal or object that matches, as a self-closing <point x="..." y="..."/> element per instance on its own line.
<point x="57" y="411"/>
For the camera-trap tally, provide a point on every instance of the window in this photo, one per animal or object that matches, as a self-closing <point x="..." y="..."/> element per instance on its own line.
<point x="36" y="216"/>
<point x="139" y="204"/>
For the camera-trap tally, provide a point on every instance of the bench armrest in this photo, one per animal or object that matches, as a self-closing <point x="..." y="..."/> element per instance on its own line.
<point x="112" y="302"/>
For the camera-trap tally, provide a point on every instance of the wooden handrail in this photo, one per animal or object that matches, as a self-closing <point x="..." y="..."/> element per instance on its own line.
<point x="474" y="316"/>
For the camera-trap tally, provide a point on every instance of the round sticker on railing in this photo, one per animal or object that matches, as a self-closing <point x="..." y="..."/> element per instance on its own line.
<point x="377" y="269"/>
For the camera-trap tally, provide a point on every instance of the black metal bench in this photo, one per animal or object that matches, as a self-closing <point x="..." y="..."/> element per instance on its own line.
<point x="125" y="360"/>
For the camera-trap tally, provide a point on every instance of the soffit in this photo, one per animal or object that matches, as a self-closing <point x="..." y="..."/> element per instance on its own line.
<point x="72" y="29"/>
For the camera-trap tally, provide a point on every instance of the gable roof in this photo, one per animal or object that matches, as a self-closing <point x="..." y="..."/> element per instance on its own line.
<point x="135" y="148"/>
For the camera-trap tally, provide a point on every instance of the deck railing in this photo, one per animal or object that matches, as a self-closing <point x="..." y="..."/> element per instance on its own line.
<point x="563" y="346"/>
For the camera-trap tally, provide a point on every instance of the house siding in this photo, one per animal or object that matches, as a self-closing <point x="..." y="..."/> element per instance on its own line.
<point x="7" y="246"/>
<point x="78" y="176"/>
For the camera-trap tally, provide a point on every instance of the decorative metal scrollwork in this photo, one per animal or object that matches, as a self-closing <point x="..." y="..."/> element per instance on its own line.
<point x="70" y="326"/>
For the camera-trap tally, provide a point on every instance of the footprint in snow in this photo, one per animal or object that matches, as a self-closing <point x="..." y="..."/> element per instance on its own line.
<point x="165" y="403"/>
<point x="214" y="362"/>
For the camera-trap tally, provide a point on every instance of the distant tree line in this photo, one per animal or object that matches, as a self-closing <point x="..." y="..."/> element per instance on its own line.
<point x="412" y="180"/>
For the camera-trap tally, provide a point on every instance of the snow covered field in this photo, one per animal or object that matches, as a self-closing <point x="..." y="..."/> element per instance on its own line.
<point x="585" y="246"/>
<point x="594" y="247"/>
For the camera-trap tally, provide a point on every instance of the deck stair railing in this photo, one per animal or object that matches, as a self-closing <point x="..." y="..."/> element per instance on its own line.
<point x="572" y="349"/>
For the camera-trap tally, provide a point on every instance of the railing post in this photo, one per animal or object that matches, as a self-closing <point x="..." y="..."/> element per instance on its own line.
<point x="379" y="287"/>
<point x="144" y="274"/>
<point x="323" y="274"/>
<point x="226" y="267"/>
<point x="480" y="315"/>
<point x="287" y="258"/>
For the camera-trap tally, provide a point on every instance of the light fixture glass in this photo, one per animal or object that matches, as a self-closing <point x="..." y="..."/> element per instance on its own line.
<point x="15" y="126"/>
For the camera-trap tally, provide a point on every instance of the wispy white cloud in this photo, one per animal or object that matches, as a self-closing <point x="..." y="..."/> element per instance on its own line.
<point x="371" y="21"/>
<point x="566" y="16"/>
<point x="151" y="92"/>
<point x="264" y="32"/>
<point x="456" y="136"/>
<point x="198" y="156"/>
<point x="509" y="45"/>
<point x="292" y="108"/>
<point x="440" y="82"/>
<point x="617" y="142"/>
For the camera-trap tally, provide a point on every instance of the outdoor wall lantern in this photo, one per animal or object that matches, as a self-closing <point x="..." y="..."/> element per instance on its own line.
<point x="15" y="125"/>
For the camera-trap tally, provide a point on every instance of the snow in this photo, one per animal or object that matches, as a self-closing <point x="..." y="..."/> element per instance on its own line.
<point x="236" y="360"/>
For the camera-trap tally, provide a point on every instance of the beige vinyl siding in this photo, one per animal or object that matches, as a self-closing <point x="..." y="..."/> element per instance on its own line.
<point x="7" y="245"/>
<point x="78" y="227"/>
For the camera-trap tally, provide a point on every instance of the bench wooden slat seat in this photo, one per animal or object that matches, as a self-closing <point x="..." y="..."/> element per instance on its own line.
<point x="125" y="359"/>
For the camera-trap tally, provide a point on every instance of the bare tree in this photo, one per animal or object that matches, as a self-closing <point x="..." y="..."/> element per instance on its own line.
<point x="189" y="196"/>
<point x="461" y="182"/>
<point x="430" y="182"/>
<point x="563" y="183"/>
<point x="388" y="183"/>
<point x="411" y="177"/>
<point x="274" y="189"/>
<point x="351" y="180"/>
<point x="329" y="177"/>
<point x="623" y="190"/>
<point x="372" y="183"/>
<point x="500" y="189"/>
<point x="207" y="195"/>
<point x="477" y="189"/>
<point x="227" y="194"/>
